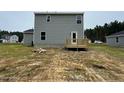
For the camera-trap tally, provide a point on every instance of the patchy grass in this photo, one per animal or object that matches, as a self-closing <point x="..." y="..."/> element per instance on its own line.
<point x="114" y="51"/>
<point x="14" y="50"/>
<point x="99" y="63"/>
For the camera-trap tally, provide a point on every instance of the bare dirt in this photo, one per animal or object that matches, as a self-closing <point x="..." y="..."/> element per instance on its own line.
<point x="62" y="65"/>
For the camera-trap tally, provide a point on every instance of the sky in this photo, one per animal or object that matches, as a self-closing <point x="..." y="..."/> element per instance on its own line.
<point x="91" y="19"/>
<point x="16" y="21"/>
<point x="23" y="20"/>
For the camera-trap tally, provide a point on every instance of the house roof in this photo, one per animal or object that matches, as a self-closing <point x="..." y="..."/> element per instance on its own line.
<point x="5" y="36"/>
<point x="38" y="13"/>
<point x="121" y="33"/>
<point x="29" y="31"/>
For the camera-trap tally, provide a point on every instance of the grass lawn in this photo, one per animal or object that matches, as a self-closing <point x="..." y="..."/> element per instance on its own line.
<point x="99" y="63"/>
<point x="14" y="50"/>
<point x="114" y="51"/>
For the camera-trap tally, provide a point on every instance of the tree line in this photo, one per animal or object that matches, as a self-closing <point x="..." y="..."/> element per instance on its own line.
<point x="19" y="34"/>
<point x="99" y="32"/>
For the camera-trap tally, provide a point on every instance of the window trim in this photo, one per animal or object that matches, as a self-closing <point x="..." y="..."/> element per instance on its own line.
<point x="72" y="37"/>
<point x="47" y="18"/>
<point x="43" y="36"/>
<point x="79" y="19"/>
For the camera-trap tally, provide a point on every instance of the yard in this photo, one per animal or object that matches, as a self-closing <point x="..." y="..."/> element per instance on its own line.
<point x="99" y="63"/>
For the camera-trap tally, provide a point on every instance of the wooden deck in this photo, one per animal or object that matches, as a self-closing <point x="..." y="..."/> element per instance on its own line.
<point x="80" y="43"/>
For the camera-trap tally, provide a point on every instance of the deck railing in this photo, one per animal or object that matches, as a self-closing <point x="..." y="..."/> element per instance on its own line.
<point x="78" y="42"/>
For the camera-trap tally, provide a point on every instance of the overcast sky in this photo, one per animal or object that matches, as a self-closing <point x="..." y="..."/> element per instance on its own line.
<point x="20" y="21"/>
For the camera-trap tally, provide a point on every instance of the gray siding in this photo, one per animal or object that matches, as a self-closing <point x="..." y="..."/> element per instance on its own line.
<point x="112" y="41"/>
<point x="28" y="38"/>
<point x="57" y="30"/>
<point x="121" y="40"/>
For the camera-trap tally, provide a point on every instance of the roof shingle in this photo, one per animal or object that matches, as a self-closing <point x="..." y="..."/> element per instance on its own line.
<point x="29" y="31"/>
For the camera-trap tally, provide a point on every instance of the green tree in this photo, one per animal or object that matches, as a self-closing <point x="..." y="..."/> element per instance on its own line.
<point x="100" y="32"/>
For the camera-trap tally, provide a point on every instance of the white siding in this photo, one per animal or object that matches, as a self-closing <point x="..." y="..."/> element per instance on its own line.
<point x="14" y="39"/>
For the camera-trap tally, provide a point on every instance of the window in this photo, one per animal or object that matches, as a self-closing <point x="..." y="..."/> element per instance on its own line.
<point x="78" y="19"/>
<point x="48" y="18"/>
<point x="43" y="35"/>
<point x="116" y="39"/>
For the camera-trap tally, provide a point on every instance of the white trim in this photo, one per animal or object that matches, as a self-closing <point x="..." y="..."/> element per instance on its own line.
<point x="115" y="36"/>
<point x="81" y="17"/>
<point x="69" y="12"/>
<point x="117" y="39"/>
<point x="47" y="18"/>
<point x="72" y="37"/>
<point x="83" y="26"/>
<point x="77" y="17"/>
<point x="45" y="36"/>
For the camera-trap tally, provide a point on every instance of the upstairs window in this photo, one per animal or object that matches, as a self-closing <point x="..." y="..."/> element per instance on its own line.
<point x="79" y="19"/>
<point x="48" y="18"/>
<point x="43" y="35"/>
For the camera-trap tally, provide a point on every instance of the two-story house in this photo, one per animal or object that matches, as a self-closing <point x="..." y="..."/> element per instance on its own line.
<point x="58" y="29"/>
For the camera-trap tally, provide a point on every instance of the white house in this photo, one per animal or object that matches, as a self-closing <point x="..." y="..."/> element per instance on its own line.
<point x="13" y="39"/>
<point x="6" y="38"/>
<point x="3" y="41"/>
<point x="116" y="39"/>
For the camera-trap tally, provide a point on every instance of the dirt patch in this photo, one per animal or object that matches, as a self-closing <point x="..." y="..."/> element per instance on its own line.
<point x="61" y="65"/>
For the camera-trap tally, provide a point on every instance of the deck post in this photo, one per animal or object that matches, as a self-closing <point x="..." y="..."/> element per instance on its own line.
<point x="77" y="44"/>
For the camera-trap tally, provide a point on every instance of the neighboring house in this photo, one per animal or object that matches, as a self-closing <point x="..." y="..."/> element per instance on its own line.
<point x="9" y="38"/>
<point x="55" y="29"/>
<point x="14" y="39"/>
<point x="3" y="41"/>
<point x="6" y="38"/>
<point x="116" y="39"/>
<point x="28" y="37"/>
